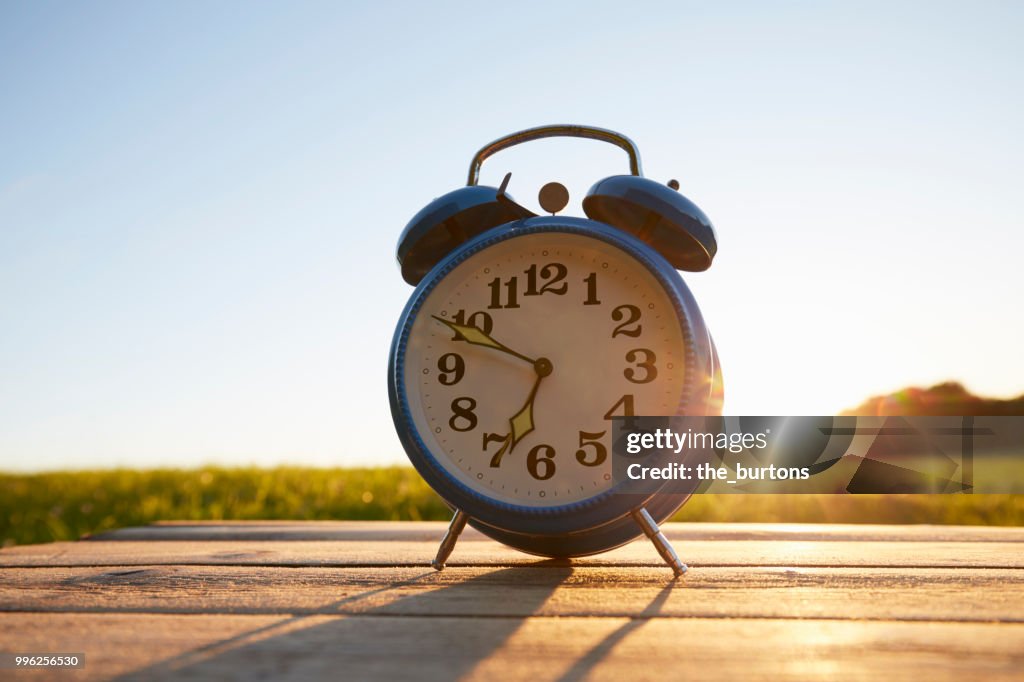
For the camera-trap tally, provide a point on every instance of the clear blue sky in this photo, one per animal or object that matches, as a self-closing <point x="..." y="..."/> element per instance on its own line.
<point x="199" y="202"/>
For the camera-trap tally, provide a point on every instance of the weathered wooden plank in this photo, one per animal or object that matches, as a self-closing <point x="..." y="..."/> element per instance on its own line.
<point x="239" y="647"/>
<point x="431" y="531"/>
<point x="835" y="593"/>
<point x="794" y="553"/>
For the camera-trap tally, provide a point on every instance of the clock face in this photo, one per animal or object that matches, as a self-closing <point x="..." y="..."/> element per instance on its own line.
<point x="519" y="356"/>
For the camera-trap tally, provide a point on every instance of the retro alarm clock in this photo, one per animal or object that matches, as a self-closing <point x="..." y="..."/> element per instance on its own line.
<point x="526" y="335"/>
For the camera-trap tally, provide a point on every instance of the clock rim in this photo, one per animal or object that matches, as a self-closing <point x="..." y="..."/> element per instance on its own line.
<point x="607" y="507"/>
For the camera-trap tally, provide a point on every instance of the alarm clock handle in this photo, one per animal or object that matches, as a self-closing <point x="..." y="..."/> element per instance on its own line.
<point x="559" y="130"/>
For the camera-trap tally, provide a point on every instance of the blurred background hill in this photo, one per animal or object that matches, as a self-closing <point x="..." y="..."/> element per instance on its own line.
<point x="942" y="400"/>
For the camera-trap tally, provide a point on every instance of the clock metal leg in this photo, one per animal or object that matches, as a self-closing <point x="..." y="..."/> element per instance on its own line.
<point x="654" y="534"/>
<point x="455" y="529"/>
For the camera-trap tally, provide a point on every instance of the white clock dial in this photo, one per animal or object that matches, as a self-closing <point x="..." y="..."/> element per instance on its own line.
<point x="559" y="332"/>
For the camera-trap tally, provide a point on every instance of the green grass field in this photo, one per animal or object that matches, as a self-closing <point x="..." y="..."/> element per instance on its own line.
<point x="66" y="505"/>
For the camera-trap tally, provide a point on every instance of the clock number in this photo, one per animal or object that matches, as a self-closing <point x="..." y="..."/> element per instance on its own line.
<point x="479" y="319"/>
<point x="462" y="413"/>
<point x="511" y="293"/>
<point x="505" y="439"/>
<point x="600" y="451"/>
<point x="650" y="371"/>
<point x="553" y="273"/>
<point x="451" y="364"/>
<point x="626" y="402"/>
<point x="540" y="462"/>
<point x="627" y="407"/>
<point x="629" y="314"/>
<point x="592" y="298"/>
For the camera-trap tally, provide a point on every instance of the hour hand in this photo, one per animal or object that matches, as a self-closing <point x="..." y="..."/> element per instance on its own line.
<point x="522" y="423"/>
<point x="477" y="337"/>
<point x="519" y="425"/>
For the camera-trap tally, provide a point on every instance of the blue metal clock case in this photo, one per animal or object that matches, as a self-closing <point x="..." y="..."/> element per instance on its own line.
<point x="589" y="526"/>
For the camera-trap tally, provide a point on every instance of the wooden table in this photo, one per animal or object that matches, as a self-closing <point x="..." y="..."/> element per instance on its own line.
<point x="357" y="600"/>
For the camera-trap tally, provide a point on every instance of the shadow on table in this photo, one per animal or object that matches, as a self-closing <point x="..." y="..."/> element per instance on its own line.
<point x="433" y="634"/>
<point x="587" y="662"/>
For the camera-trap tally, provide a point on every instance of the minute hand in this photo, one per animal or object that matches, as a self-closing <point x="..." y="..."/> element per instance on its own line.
<point x="477" y="337"/>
